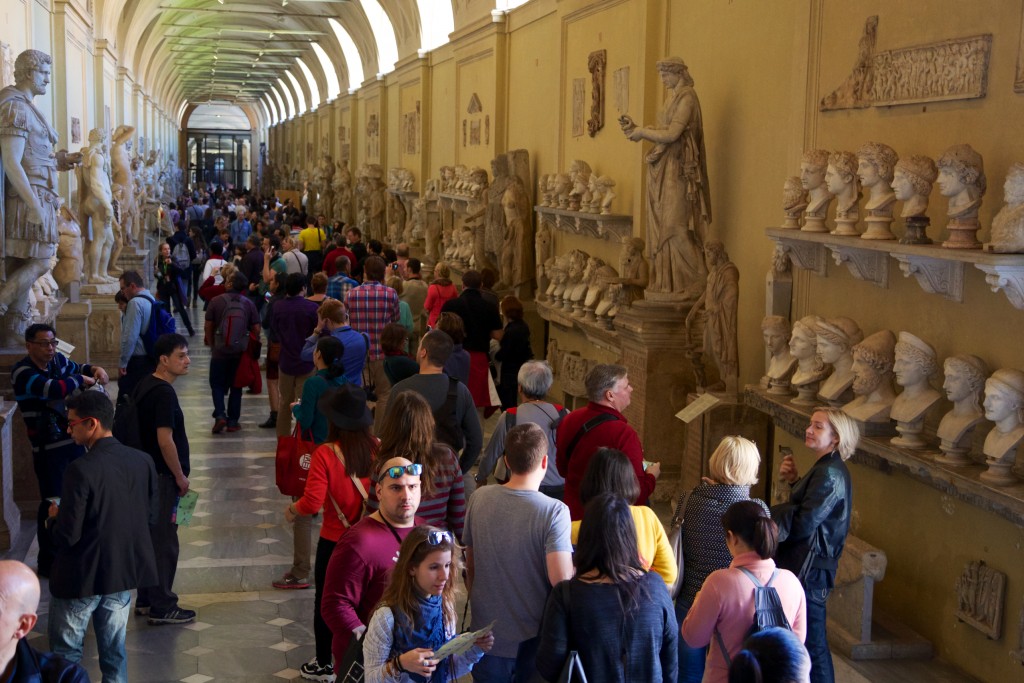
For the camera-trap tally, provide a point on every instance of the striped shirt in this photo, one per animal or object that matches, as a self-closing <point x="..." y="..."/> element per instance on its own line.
<point x="35" y="388"/>
<point x="371" y="306"/>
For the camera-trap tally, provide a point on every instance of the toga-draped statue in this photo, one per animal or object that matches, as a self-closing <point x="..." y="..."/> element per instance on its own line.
<point x="30" y="200"/>
<point x="678" y="198"/>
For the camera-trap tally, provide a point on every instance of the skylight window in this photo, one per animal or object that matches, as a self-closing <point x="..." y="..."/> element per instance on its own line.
<point x="436" y="22"/>
<point x="351" y="52"/>
<point x="383" y="33"/>
<point x="287" y="97"/>
<point x="314" y="89"/>
<point x="298" y="91"/>
<point x="333" y="86"/>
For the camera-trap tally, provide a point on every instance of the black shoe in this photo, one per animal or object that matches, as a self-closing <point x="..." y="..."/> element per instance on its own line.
<point x="175" y="615"/>
<point x="271" y="421"/>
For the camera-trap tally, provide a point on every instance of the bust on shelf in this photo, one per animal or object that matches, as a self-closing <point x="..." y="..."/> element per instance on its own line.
<point x="781" y="364"/>
<point x="836" y="339"/>
<point x="873" y="359"/>
<point x="803" y="344"/>
<point x="964" y="386"/>
<point x="841" y="179"/>
<point x="911" y="184"/>
<point x="915" y="363"/>
<point x="962" y="179"/>
<point x="1008" y="225"/>
<point x="875" y="165"/>
<point x="1004" y="405"/>
<point x="794" y="201"/>
<point x="812" y="177"/>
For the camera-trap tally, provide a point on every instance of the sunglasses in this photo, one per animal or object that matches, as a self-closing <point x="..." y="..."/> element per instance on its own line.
<point x="74" y="423"/>
<point x="397" y="471"/>
<point x="439" y="537"/>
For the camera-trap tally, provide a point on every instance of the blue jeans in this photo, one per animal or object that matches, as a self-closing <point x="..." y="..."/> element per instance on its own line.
<point x="817" y="586"/>
<point x="691" y="659"/>
<point x="222" y="380"/>
<point x="69" y="620"/>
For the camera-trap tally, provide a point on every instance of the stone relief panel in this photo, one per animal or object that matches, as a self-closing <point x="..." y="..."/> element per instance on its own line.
<point x="620" y="84"/>
<point x="76" y="130"/>
<point x="578" y="95"/>
<point x="980" y="591"/>
<point x="373" y="137"/>
<point x="103" y="335"/>
<point x="6" y="64"/>
<point x="411" y="130"/>
<point x="597" y="64"/>
<point x="573" y="372"/>
<point x="952" y="69"/>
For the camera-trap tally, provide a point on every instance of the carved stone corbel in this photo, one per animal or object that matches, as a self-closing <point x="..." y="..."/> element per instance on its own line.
<point x="807" y="255"/>
<point x="870" y="266"/>
<point x="934" y="275"/>
<point x="1009" y="279"/>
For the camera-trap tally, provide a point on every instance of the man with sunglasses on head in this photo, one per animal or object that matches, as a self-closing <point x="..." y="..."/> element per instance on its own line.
<point x="41" y="381"/>
<point x="364" y="558"/>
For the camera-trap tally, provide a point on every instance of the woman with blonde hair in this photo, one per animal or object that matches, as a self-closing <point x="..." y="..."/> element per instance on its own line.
<point x="439" y="292"/>
<point x="416" y="615"/>
<point x="814" y="523"/>
<point x="733" y="469"/>
<point x="408" y="431"/>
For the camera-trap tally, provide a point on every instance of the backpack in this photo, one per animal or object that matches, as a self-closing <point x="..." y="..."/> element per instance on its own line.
<point x="446" y="429"/>
<point x="232" y="332"/>
<point x="501" y="473"/>
<point x="126" y="420"/>
<point x="768" y="612"/>
<point x="180" y="257"/>
<point x="161" y="322"/>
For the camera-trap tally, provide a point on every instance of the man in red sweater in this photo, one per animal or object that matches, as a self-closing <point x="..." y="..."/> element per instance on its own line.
<point x="601" y="424"/>
<point x="365" y="556"/>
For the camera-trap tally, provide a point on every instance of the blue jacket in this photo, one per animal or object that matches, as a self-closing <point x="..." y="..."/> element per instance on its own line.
<point x="32" y="666"/>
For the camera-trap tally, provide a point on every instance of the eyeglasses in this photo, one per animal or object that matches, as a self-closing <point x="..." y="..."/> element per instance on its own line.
<point x="74" y="423"/>
<point x="438" y="537"/>
<point x="52" y="343"/>
<point x="397" y="471"/>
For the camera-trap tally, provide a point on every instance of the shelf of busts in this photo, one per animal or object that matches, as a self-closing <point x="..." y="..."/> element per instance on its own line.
<point x="963" y="483"/>
<point x="594" y="330"/>
<point x="612" y="227"/>
<point x="938" y="270"/>
<point x="410" y="195"/>
<point x="459" y="203"/>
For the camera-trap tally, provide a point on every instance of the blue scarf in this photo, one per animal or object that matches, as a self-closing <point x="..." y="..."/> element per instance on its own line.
<point x="428" y="631"/>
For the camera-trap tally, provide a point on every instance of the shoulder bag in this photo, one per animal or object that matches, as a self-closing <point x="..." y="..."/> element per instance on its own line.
<point x="359" y="487"/>
<point x="675" y="539"/>
<point x="572" y="670"/>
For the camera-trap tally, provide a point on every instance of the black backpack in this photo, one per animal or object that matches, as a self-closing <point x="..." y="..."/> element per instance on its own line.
<point x="768" y="612"/>
<point x="126" y="419"/>
<point x="446" y="429"/>
<point x="161" y="322"/>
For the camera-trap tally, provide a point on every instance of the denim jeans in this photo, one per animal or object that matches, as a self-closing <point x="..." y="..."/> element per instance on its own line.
<point x="817" y="586"/>
<point x="222" y="381"/>
<point x="69" y="620"/>
<point x="691" y="659"/>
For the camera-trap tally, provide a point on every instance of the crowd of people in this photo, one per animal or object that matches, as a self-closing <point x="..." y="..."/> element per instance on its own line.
<point x="389" y="379"/>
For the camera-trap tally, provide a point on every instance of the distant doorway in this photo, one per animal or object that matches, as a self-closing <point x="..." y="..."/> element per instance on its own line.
<point x="219" y="158"/>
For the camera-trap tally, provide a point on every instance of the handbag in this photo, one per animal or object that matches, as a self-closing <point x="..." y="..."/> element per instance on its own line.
<point x="675" y="539"/>
<point x="294" y="455"/>
<point x="359" y="487"/>
<point x="572" y="670"/>
<point x="350" y="668"/>
<point x="248" y="374"/>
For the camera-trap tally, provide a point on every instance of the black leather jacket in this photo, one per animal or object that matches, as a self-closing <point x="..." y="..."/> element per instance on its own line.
<point x="814" y="523"/>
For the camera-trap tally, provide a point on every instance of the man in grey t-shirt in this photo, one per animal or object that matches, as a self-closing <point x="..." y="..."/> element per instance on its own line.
<point x="517" y="547"/>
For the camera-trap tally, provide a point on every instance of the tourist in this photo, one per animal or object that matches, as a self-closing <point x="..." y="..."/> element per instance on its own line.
<point x="329" y="374"/>
<point x="483" y="323"/>
<point x="398" y="364"/>
<point x="332" y="319"/>
<point x="275" y="293"/>
<point x="231" y="320"/>
<point x="134" y="363"/>
<point x="439" y="292"/>
<point x="457" y="365"/>
<point x="774" y="655"/>
<point x="371" y="306"/>
<point x="514" y="350"/>
<point x="295" y="318"/>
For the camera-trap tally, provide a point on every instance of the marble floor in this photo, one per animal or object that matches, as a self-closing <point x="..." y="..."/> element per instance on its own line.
<point x="239" y="542"/>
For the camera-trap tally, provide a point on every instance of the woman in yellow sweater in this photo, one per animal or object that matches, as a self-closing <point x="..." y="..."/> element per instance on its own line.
<point x="610" y="470"/>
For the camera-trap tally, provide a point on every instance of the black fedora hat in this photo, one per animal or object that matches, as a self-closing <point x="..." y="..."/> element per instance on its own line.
<point x="346" y="408"/>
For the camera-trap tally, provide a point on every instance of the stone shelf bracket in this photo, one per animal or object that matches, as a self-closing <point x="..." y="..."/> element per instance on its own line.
<point x="938" y="270"/>
<point x="612" y="227"/>
<point x="1009" y="278"/>
<point x="935" y="275"/>
<point x="870" y="266"/>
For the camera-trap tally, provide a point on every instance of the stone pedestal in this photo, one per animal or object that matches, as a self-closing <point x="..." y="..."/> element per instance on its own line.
<point x="10" y="516"/>
<point x="916" y="228"/>
<point x="814" y="223"/>
<point x="104" y="331"/>
<point x="846" y="226"/>
<point x="133" y="258"/>
<point x="877" y="228"/>
<point x="963" y="234"/>
<point x="73" y="327"/>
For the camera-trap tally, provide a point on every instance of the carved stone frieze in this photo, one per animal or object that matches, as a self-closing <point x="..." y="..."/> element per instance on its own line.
<point x="980" y="591"/>
<point x="935" y="276"/>
<point x="597" y="64"/>
<point x="870" y="266"/>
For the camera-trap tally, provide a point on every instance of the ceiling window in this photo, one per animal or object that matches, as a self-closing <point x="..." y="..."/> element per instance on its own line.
<point x="383" y="33"/>
<point x="288" y="98"/>
<point x="436" y="22"/>
<point x="298" y="92"/>
<point x="333" y="86"/>
<point x="314" y="89"/>
<point x="351" y="52"/>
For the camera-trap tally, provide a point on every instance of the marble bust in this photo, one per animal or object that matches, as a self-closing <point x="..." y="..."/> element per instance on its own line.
<point x="794" y="201"/>
<point x="876" y="164"/>
<point x="1008" y="225"/>
<point x="803" y="345"/>
<point x="964" y="384"/>
<point x="915" y="363"/>
<point x="812" y="178"/>
<point x="962" y="180"/>
<point x="873" y="359"/>
<point x="781" y="364"/>
<point x="836" y="339"/>
<point x="1004" y="405"/>
<point x="912" y="183"/>
<point x="841" y="180"/>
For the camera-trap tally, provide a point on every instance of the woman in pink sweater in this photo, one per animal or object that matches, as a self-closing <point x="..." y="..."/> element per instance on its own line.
<point x="725" y="603"/>
<point x="439" y="291"/>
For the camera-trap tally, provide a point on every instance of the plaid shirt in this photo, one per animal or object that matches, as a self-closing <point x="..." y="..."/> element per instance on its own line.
<point x="371" y="306"/>
<point x="338" y="286"/>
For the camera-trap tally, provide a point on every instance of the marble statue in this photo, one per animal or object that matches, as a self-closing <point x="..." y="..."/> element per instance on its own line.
<point x="30" y="201"/>
<point x="609" y="305"/>
<point x="915" y="363"/>
<point x="964" y="385"/>
<point x="323" y="180"/>
<point x="542" y="189"/>
<point x="841" y="179"/>
<point x="1004" y="406"/>
<point x="678" y="197"/>
<point x="600" y="277"/>
<point x="542" y="249"/>
<point x="376" y="198"/>
<point x="396" y="217"/>
<point x="516" y="255"/>
<point x="720" y="302"/>
<point x="781" y="364"/>
<point x="123" y="184"/>
<point x="557" y="269"/>
<point x="836" y="339"/>
<point x="562" y="188"/>
<point x="876" y="163"/>
<point x="813" y="166"/>
<point x="803" y="345"/>
<point x="603" y="195"/>
<point x="873" y="359"/>
<point x="550" y="195"/>
<point x="69" y="249"/>
<point x="962" y="179"/>
<point x="464" y="248"/>
<point x="1008" y="225"/>
<point x="343" y="193"/>
<point x="97" y="213"/>
<point x="575" y="287"/>
<point x="579" y="175"/>
<point x="912" y="183"/>
<point x="794" y="202"/>
<point x="634" y="271"/>
<point x="495" y="228"/>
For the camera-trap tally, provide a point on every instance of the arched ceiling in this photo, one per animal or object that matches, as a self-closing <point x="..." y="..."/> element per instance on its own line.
<point x="235" y="50"/>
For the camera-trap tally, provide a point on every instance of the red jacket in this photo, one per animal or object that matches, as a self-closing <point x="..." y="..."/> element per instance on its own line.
<point x="612" y="434"/>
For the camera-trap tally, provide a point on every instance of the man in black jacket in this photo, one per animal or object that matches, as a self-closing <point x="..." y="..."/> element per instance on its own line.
<point x="101" y="536"/>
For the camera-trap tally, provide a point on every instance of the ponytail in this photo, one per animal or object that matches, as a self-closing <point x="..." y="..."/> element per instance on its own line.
<point x="332" y="352"/>
<point x="748" y="521"/>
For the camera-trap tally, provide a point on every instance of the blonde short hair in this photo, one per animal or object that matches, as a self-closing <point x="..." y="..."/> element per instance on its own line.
<point x="735" y="462"/>
<point x="844" y="426"/>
